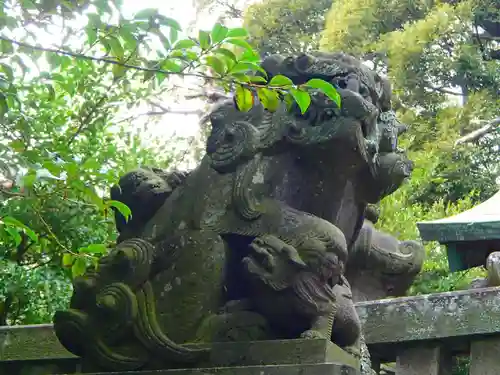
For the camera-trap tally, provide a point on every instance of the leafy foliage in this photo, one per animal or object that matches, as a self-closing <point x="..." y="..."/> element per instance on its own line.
<point x="62" y="144"/>
<point x="284" y="26"/>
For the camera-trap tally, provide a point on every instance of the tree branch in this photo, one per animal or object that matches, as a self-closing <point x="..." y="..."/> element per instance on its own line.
<point x="103" y="60"/>
<point x="479" y="133"/>
<point x="211" y="96"/>
<point x="139" y="68"/>
<point x="442" y="90"/>
<point x="164" y="110"/>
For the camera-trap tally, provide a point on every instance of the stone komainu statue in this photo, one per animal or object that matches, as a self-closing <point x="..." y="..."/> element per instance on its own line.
<point x="253" y="243"/>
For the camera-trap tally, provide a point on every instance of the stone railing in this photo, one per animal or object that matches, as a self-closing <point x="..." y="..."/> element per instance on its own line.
<point x="422" y="334"/>
<point x="419" y="334"/>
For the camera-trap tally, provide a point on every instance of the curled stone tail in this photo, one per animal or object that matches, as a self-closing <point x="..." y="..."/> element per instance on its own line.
<point x="149" y="332"/>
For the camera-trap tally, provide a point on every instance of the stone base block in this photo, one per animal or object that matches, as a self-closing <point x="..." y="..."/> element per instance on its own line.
<point x="315" y="369"/>
<point x="278" y="352"/>
<point x="279" y="357"/>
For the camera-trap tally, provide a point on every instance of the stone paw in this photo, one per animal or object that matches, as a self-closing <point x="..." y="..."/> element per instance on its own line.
<point x="312" y="334"/>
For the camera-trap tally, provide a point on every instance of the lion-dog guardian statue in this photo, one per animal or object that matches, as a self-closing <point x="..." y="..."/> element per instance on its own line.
<point x="253" y="243"/>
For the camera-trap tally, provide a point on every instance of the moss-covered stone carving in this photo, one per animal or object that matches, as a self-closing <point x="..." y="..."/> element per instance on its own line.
<point x="253" y="243"/>
<point x="381" y="265"/>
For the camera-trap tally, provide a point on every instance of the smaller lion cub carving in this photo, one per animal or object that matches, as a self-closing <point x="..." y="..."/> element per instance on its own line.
<point x="294" y="285"/>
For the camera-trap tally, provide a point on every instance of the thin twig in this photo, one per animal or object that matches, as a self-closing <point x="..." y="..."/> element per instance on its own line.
<point x="103" y="60"/>
<point x="445" y="91"/>
<point x="54" y="237"/>
<point x="141" y="68"/>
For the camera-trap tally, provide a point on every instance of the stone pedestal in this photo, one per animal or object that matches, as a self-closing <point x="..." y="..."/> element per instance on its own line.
<point x="428" y="360"/>
<point x="284" y="357"/>
<point x="484" y="355"/>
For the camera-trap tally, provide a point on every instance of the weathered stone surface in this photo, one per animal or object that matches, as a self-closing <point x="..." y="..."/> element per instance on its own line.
<point x="36" y="348"/>
<point x="422" y="360"/>
<point x="317" y="369"/>
<point x="434" y="316"/>
<point x="485" y="356"/>
<point x="38" y="342"/>
<point x="380" y="265"/>
<point x="34" y="342"/>
<point x="282" y="352"/>
<point x="252" y="242"/>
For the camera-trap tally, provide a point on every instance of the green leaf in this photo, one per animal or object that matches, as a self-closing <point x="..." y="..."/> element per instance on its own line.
<point x="94" y="249"/>
<point x="79" y="267"/>
<point x="94" y="20"/>
<point x="17" y="145"/>
<point x="244" y="99"/>
<point x="8" y="71"/>
<point x="129" y="40"/>
<point x="237" y="32"/>
<point x="53" y="59"/>
<point x="31" y="234"/>
<point x="302" y="98"/>
<point x="204" y="39"/>
<point x="170" y="22"/>
<point x="240" y="43"/>
<point x="29" y="180"/>
<point x="56" y="77"/>
<point x="251" y="56"/>
<point x="4" y="107"/>
<point x="121" y="207"/>
<point x="246" y="66"/>
<point x="216" y="64"/>
<point x="118" y="71"/>
<point x="6" y="47"/>
<point x="67" y="259"/>
<point x="184" y="44"/>
<point x="226" y="52"/>
<point x="326" y="87"/>
<point x="269" y="98"/>
<point x="10" y="221"/>
<point x="170" y="65"/>
<point x="218" y="33"/>
<point x="281" y="81"/>
<point x="258" y="79"/>
<point x="146" y="14"/>
<point x="52" y="93"/>
<point x="14" y="234"/>
<point x="116" y="47"/>
<point x="91" y="35"/>
<point x="240" y="77"/>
